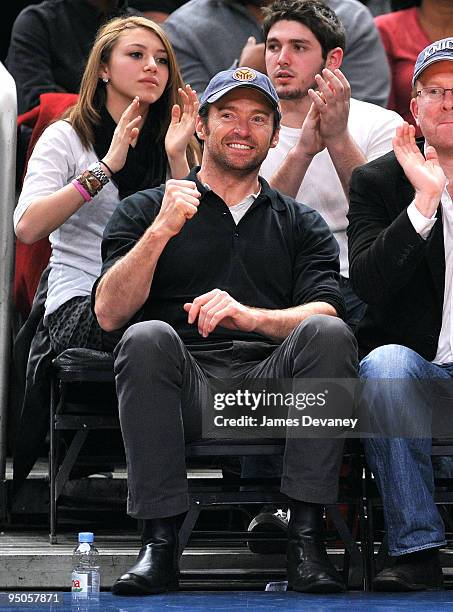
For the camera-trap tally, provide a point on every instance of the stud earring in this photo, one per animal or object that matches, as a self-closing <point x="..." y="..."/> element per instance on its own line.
<point x="105" y="80"/>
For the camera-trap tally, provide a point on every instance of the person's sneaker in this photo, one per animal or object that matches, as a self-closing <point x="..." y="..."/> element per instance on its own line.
<point x="419" y="571"/>
<point x="274" y="524"/>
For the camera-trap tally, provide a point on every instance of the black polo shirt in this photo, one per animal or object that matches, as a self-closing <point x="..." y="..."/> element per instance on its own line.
<point x="281" y="254"/>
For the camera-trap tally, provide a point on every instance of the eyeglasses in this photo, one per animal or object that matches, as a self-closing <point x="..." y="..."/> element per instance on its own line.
<point x="433" y="94"/>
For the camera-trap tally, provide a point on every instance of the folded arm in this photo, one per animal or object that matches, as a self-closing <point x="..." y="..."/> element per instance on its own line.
<point x="217" y="307"/>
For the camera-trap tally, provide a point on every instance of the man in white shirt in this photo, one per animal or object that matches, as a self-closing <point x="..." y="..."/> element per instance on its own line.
<point x="401" y="244"/>
<point x="324" y="133"/>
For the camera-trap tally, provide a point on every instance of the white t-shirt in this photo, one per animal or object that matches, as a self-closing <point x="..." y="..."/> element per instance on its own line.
<point x="372" y="128"/>
<point x="59" y="157"/>
<point x="238" y="210"/>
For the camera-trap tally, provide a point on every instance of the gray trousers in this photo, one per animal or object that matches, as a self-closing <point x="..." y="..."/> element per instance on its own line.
<point x="161" y="387"/>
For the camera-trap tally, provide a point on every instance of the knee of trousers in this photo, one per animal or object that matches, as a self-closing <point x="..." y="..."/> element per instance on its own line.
<point x="148" y="342"/>
<point x="391" y="361"/>
<point x="328" y="333"/>
<point x="394" y="392"/>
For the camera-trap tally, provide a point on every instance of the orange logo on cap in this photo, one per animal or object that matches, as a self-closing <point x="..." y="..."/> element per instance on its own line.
<point x="244" y="74"/>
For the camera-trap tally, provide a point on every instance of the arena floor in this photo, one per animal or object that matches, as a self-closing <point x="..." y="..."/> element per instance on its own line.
<point x="195" y="601"/>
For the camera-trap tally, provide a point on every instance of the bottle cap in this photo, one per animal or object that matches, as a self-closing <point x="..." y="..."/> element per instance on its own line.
<point x="86" y="536"/>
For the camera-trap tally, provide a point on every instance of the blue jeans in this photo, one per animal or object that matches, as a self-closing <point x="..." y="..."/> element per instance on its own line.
<point x="402" y="465"/>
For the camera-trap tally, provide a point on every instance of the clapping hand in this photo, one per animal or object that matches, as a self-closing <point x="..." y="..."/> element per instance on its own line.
<point x="125" y="134"/>
<point x="425" y="174"/>
<point x="310" y="140"/>
<point x="332" y="101"/>
<point x="252" y="55"/>
<point x="182" y="125"/>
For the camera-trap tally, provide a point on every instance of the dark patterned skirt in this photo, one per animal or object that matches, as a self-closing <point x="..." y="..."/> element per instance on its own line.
<point x="73" y="325"/>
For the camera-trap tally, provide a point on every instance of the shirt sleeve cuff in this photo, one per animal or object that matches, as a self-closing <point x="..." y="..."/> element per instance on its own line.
<point x="422" y="224"/>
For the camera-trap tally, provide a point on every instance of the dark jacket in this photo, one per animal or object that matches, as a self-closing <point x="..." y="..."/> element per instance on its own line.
<point x="29" y="412"/>
<point x="397" y="273"/>
<point x="50" y="43"/>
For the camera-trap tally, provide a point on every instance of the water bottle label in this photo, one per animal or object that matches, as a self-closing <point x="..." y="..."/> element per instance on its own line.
<point x="79" y="587"/>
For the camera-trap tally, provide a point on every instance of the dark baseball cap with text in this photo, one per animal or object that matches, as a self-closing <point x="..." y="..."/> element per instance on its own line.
<point x="439" y="51"/>
<point x="227" y="80"/>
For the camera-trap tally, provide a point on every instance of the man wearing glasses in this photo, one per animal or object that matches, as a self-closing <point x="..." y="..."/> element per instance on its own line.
<point x="400" y="248"/>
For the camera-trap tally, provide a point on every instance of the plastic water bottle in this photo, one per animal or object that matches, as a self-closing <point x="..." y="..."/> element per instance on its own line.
<point x="85" y="571"/>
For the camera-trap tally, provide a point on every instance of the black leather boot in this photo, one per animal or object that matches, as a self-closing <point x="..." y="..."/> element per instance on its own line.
<point x="309" y="568"/>
<point x="156" y="569"/>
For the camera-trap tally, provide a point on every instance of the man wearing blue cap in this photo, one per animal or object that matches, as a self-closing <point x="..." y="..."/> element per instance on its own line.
<point x="400" y="244"/>
<point x="229" y="280"/>
<point x="325" y="133"/>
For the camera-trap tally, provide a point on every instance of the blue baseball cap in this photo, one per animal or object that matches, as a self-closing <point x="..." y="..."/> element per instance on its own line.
<point x="439" y="51"/>
<point x="227" y="80"/>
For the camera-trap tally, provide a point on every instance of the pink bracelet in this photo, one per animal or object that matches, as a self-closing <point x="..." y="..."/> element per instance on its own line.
<point x="81" y="189"/>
